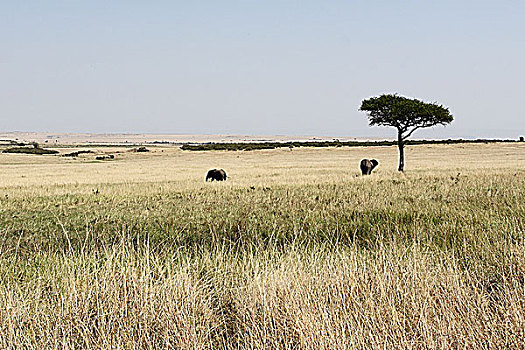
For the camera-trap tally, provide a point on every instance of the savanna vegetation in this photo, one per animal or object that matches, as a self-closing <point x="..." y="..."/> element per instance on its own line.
<point x="251" y="146"/>
<point x="295" y="250"/>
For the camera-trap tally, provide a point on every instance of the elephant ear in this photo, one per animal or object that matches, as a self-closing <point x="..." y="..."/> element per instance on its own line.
<point x="374" y="163"/>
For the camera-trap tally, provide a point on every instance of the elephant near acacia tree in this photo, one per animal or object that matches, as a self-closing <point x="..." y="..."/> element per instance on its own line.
<point x="406" y="115"/>
<point x="367" y="165"/>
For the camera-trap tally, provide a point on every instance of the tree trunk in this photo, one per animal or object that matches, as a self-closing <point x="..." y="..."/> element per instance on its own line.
<point x="401" y="146"/>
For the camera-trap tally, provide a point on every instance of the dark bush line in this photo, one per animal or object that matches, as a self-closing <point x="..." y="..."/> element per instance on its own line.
<point x="30" y="150"/>
<point x="210" y="146"/>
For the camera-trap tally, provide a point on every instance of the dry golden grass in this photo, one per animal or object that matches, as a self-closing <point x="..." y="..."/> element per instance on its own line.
<point x="280" y="166"/>
<point x="294" y="251"/>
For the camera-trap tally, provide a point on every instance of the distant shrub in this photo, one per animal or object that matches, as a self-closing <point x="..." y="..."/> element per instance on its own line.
<point x="111" y="156"/>
<point x="160" y="142"/>
<point x="30" y="150"/>
<point x="76" y="154"/>
<point x="139" y="149"/>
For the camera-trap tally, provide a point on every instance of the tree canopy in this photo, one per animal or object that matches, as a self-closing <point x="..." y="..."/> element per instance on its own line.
<point x="405" y="114"/>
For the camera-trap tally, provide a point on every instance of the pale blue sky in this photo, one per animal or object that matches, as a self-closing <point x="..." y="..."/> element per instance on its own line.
<point x="258" y="67"/>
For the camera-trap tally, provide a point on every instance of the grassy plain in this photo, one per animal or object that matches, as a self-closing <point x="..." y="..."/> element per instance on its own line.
<point x="295" y="250"/>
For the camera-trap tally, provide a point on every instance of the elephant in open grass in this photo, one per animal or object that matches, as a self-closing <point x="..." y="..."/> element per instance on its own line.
<point x="367" y="165"/>
<point x="216" y="174"/>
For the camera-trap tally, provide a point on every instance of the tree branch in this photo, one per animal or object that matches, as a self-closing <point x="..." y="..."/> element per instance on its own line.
<point x="412" y="131"/>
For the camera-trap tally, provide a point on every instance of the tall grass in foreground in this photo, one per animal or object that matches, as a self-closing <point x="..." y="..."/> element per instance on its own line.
<point x="418" y="261"/>
<point x="304" y="298"/>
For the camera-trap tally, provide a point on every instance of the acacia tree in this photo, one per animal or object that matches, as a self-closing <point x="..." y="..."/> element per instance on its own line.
<point x="406" y="115"/>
